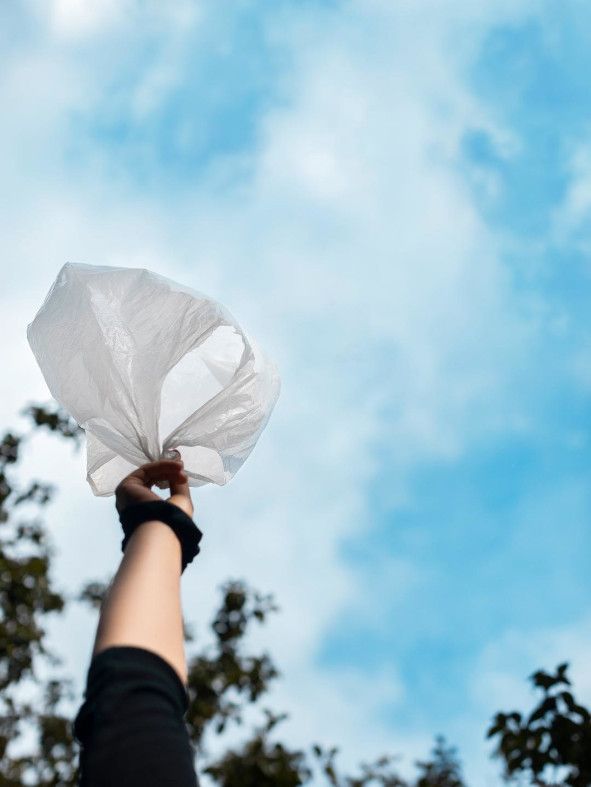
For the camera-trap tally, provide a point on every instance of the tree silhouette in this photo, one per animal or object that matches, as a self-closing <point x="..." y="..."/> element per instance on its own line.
<point x="27" y="597"/>
<point x="551" y="746"/>
<point x="443" y="770"/>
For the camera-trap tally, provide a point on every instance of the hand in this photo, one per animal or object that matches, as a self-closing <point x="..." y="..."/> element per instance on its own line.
<point x="137" y="486"/>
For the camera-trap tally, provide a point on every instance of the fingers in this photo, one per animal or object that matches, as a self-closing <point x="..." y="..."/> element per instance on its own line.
<point x="180" y="494"/>
<point x="152" y="472"/>
<point x="136" y="487"/>
<point x="180" y="485"/>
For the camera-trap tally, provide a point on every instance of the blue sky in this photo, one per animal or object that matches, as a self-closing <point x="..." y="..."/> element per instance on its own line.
<point x="394" y="198"/>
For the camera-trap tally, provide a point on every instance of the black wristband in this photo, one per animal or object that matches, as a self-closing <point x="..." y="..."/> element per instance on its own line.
<point x="183" y="526"/>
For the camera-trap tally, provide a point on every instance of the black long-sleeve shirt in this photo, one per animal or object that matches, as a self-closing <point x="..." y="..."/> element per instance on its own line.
<point x="131" y="724"/>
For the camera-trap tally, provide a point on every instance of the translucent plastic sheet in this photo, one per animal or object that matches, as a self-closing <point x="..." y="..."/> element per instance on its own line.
<point x="146" y="365"/>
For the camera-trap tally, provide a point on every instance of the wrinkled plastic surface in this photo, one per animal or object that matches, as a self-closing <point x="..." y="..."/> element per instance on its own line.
<point x="146" y="365"/>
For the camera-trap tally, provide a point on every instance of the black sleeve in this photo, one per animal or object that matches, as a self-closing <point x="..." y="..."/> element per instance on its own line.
<point x="131" y="724"/>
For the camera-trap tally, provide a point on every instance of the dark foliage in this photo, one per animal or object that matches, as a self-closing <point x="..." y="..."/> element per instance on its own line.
<point x="219" y="680"/>
<point x="261" y="763"/>
<point x="552" y="745"/>
<point x="443" y="770"/>
<point x="27" y="597"/>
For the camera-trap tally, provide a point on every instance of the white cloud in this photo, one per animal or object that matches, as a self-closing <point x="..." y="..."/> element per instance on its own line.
<point x="76" y="21"/>
<point x="570" y="219"/>
<point x="577" y="200"/>
<point x="75" y="18"/>
<point x="500" y="676"/>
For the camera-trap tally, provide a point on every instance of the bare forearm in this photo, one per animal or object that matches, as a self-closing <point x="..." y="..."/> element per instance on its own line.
<point x="142" y="607"/>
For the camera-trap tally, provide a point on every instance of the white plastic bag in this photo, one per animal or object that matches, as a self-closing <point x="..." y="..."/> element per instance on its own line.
<point x="146" y="365"/>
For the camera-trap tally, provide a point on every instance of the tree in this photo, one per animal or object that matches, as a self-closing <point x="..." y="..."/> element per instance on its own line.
<point x="554" y="739"/>
<point x="443" y="770"/>
<point x="26" y="598"/>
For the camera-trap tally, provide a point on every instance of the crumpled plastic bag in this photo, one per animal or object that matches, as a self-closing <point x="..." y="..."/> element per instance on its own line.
<point x="145" y="366"/>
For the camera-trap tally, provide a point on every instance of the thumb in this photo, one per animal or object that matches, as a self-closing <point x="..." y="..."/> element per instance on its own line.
<point x="180" y="494"/>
